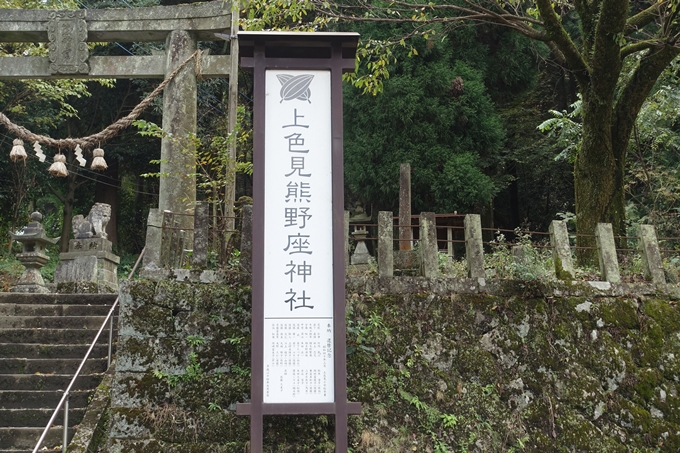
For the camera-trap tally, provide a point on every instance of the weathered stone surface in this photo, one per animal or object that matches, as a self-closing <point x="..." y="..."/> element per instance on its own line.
<point x="428" y="244"/>
<point x="94" y="225"/>
<point x="651" y="256"/>
<point x="97" y="267"/>
<point x="31" y="280"/>
<point x="177" y="186"/>
<point x="407" y="262"/>
<point x="360" y="255"/>
<point x="606" y="253"/>
<point x="124" y="24"/>
<point x="385" y="244"/>
<point x="152" y="250"/>
<point x="33" y="242"/>
<point x="178" y="344"/>
<point x="89" y="245"/>
<point x="109" y="67"/>
<point x="68" y="52"/>
<point x="474" y="248"/>
<point x="201" y="238"/>
<point x="405" y="232"/>
<point x="501" y="287"/>
<point x="559" y="239"/>
<point x="91" y="432"/>
<point x="545" y="370"/>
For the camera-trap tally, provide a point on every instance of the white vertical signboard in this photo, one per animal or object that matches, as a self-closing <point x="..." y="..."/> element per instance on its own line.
<point x="298" y="254"/>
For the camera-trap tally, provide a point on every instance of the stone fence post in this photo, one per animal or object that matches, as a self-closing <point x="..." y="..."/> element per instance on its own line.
<point x="474" y="248"/>
<point x="405" y="231"/>
<point x="166" y="239"/>
<point x="201" y="239"/>
<point x="428" y="244"/>
<point x="606" y="253"/>
<point x="385" y="244"/>
<point x="154" y="230"/>
<point x="559" y="239"/>
<point x="651" y="256"/>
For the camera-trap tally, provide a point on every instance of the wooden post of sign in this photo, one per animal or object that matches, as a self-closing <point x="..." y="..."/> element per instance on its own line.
<point x="293" y="74"/>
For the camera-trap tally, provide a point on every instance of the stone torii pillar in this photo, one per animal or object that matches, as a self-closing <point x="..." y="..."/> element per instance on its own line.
<point x="177" y="190"/>
<point x="180" y="27"/>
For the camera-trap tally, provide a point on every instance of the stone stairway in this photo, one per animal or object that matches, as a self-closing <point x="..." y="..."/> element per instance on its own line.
<point x="43" y="339"/>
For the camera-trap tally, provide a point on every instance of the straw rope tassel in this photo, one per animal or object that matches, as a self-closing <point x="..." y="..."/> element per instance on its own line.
<point x="98" y="163"/>
<point x="58" y="168"/>
<point x="18" y="152"/>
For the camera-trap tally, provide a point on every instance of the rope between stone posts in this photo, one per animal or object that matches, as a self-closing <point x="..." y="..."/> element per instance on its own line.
<point x="106" y="134"/>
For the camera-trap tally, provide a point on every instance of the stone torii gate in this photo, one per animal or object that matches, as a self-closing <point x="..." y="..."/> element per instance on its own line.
<point x="180" y="27"/>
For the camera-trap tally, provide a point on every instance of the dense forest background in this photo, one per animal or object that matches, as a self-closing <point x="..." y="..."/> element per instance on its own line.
<point x="488" y="121"/>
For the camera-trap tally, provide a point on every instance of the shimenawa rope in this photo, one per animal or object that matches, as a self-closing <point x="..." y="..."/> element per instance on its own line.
<point x="110" y="131"/>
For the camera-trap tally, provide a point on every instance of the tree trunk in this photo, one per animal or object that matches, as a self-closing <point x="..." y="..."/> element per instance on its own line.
<point x="598" y="176"/>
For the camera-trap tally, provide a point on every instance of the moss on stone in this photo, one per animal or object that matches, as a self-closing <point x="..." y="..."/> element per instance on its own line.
<point x="663" y="313"/>
<point x="143" y="291"/>
<point x="621" y="312"/>
<point x="463" y="372"/>
<point x="647" y="381"/>
<point x="649" y="345"/>
<point x="151" y="320"/>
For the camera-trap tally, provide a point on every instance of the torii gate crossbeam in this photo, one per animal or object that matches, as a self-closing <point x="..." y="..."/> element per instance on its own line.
<point x="180" y="27"/>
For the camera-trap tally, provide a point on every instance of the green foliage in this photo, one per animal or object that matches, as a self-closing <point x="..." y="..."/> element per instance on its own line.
<point x="195" y="340"/>
<point x="449" y="138"/>
<point x="522" y="260"/>
<point x="127" y="262"/>
<point x="280" y="15"/>
<point x="653" y="183"/>
<point x="58" y="92"/>
<point x="212" y="407"/>
<point x="193" y="371"/>
<point x="565" y="128"/>
<point x="47" y="271"/>
<point x="149" y="129"/>
<point x="214" y="168"/>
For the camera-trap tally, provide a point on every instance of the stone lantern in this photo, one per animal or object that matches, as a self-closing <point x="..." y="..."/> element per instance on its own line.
<point x="33" y="241"/>
<point x="360" y="255"/>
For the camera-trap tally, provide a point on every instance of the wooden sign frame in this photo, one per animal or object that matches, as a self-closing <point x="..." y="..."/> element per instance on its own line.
<point x="335" y="52"/>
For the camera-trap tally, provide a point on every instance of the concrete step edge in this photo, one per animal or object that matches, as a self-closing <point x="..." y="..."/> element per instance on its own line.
<point x="27" y="437"/>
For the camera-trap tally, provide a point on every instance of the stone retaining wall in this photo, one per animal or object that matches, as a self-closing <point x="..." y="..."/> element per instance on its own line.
<point x="438" y="365"/>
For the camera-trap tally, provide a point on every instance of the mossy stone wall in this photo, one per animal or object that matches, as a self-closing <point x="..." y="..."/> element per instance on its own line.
<point x="436" y="372"/>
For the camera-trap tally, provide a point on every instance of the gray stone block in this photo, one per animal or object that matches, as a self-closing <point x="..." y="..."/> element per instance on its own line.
<point x="652" y="264"/>
<point x="152" y="252"/>
<point x="89" y="264"/>
<point x="428" y="244"/>
<point x="606" y="252"/>
<point x="474" y="248"/>
<point x="559" y="239"/>
<point x="385" y="244"/>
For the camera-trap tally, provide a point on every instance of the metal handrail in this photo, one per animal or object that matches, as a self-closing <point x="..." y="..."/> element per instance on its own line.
<point x="64" y="399"/>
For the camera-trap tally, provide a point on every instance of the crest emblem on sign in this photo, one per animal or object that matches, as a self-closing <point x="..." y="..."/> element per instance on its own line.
<point x="295" y="87"/>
